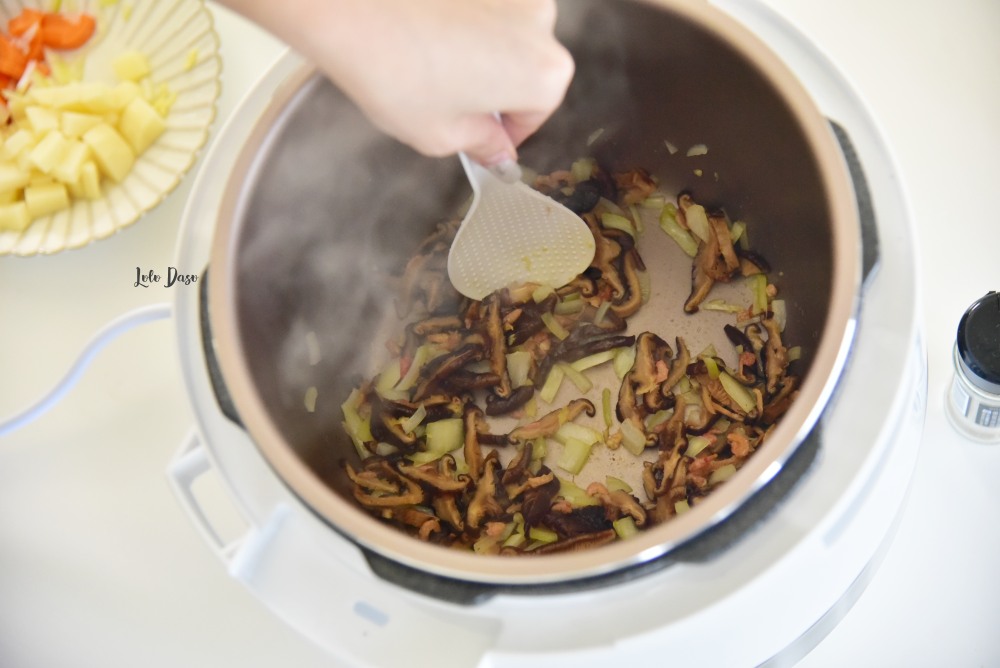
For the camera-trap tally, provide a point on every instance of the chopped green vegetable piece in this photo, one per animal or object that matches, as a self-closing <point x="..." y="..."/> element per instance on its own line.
<point x="574" y="494"/>
<point x="625" y="527"/>
<point x="623" y="361"/>
<point x="412" y="422"/>
<point x="539" y="448"/>
<point x="442" y="436"/>
<point x="310" y="398"/>
<point x="669" y="224"/>
<point x="636" y="218"/>
<point x="696" y="444"/>
<point x="541" y="293"/>
<point x="601" y="311"/>
<point x="697" y="221"/>
<point x="582" y="383"/>
<point x="569" y="306"/>
<point x="582" y="169"/>
<point x="518" y="368"/>
<point x="633" y="439"/>
<point x="357" y="426"/>
<point x="658" y="418"/>
<point x="720" y="305"/>
<point x="656" y="202"/>
<point x="681" y="507"/>
<point x="722" y="474"/>
<point x="614" y="221"/>
<point x="712" y="366"/>
<point x="737" y="230"/>
<point x="571" y="430"/>
<point x="591" y="361"/>
<point x="606" y="407"/>
<point x="387" y="381"/>
<point x="552" y="384"/>
<point x="780" y="313"/>
<point x="420" y="357"/>
<point x="543" y="535"/>
<point x="739" y="393"/>
<point x="758" y="287"/>
<point x="553" y="326"/>
<point x="574" y="455"/>
<point x="613" y="483"/>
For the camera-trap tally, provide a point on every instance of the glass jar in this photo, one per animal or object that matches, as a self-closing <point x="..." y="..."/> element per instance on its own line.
<point x="973" y="403"/>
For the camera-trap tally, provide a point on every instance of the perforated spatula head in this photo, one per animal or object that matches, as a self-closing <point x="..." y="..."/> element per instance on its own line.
<point x="514" y="234"/>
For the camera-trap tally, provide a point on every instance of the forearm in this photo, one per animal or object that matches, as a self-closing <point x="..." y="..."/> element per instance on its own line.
<point x="433" y="72"/>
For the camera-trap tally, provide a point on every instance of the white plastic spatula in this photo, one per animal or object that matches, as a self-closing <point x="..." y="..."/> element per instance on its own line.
<point x="514" y="234"/>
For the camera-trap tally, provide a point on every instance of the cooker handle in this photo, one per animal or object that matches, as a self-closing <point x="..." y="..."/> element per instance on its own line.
<point x="187" y="467"/>
<point x="367" y="620"/>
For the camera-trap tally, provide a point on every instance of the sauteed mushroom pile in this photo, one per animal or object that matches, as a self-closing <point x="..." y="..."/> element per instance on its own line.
<point x="461" y="439"/>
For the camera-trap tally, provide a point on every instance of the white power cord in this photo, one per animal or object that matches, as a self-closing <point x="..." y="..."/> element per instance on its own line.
<point x="108" y="333"/>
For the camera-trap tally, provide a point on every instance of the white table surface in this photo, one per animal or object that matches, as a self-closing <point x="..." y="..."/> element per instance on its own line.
<point x="100" y="567"/>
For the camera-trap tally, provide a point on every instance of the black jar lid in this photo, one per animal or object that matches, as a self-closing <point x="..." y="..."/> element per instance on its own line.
<point x="979" y="343"/>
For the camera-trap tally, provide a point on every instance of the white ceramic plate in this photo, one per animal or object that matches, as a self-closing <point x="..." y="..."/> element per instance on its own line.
<point x="179" y="39"/>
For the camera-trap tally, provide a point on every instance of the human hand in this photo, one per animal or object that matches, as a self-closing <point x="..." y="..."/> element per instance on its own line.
<point x="433" y="73"/>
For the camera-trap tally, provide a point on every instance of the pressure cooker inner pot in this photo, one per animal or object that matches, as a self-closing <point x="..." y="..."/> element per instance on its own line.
<point x="329" y="210"/>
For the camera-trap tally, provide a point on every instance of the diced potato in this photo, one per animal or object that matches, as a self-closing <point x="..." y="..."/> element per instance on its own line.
<point x="42" y="200"/>
<point x="116" y="99"/>
<point x="131" y="66"/>
<point x="70" y="96"/>
<point x="11" y="177"/>
<point x="140" y="124"/>
<point x="14" y="216"/>
<point x="42" y="119"/>
<point x="48" y="152"/>
<point x="68" y="169"/>
<point x="90" y="181"/>
<point x="21" y="141"/>
<point x="113" y="155"/>
<point x="74" y="124"/>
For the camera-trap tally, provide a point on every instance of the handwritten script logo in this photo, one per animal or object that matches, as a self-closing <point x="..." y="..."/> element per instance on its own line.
<point x="145" y="280"/>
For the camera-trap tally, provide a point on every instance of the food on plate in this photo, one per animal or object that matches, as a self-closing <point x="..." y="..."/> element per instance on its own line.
<point x="64" y="138"/>
<point x="491" y="424"/>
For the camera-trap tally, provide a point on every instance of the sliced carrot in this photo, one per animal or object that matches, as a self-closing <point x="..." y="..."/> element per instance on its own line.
<point x="12" y="59"/>
<point x="24" y="21"/>
<point x="64" y="32"/>
<point x="36" y="47"/>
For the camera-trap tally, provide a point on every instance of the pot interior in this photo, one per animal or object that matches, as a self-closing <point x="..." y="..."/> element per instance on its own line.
<point x="329" y="210"/>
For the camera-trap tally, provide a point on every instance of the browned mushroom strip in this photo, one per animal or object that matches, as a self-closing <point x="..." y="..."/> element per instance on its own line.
<point x="497" y="345"/>
<point x="440" y="474"/>
<point x="446" y="507"/>
<point x="776" y="360"/>
<point x="678" y="367"/>
<point x="730" y="262"/>
<point x="472" y="450"/>
<point x="441" y="367"/>
<point x="618" y="503"/>
<point x="585" y="339"/>
<point x="633" y="289"/>
<point x="484" y="504"/>
<point x="550" y="423"/>
<point x="408" y="492"/>
<point x="605" y="255"/>
<point x="634" y="185"/>
<point x="578" y="543"/>
<point x="501" y="406"/>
